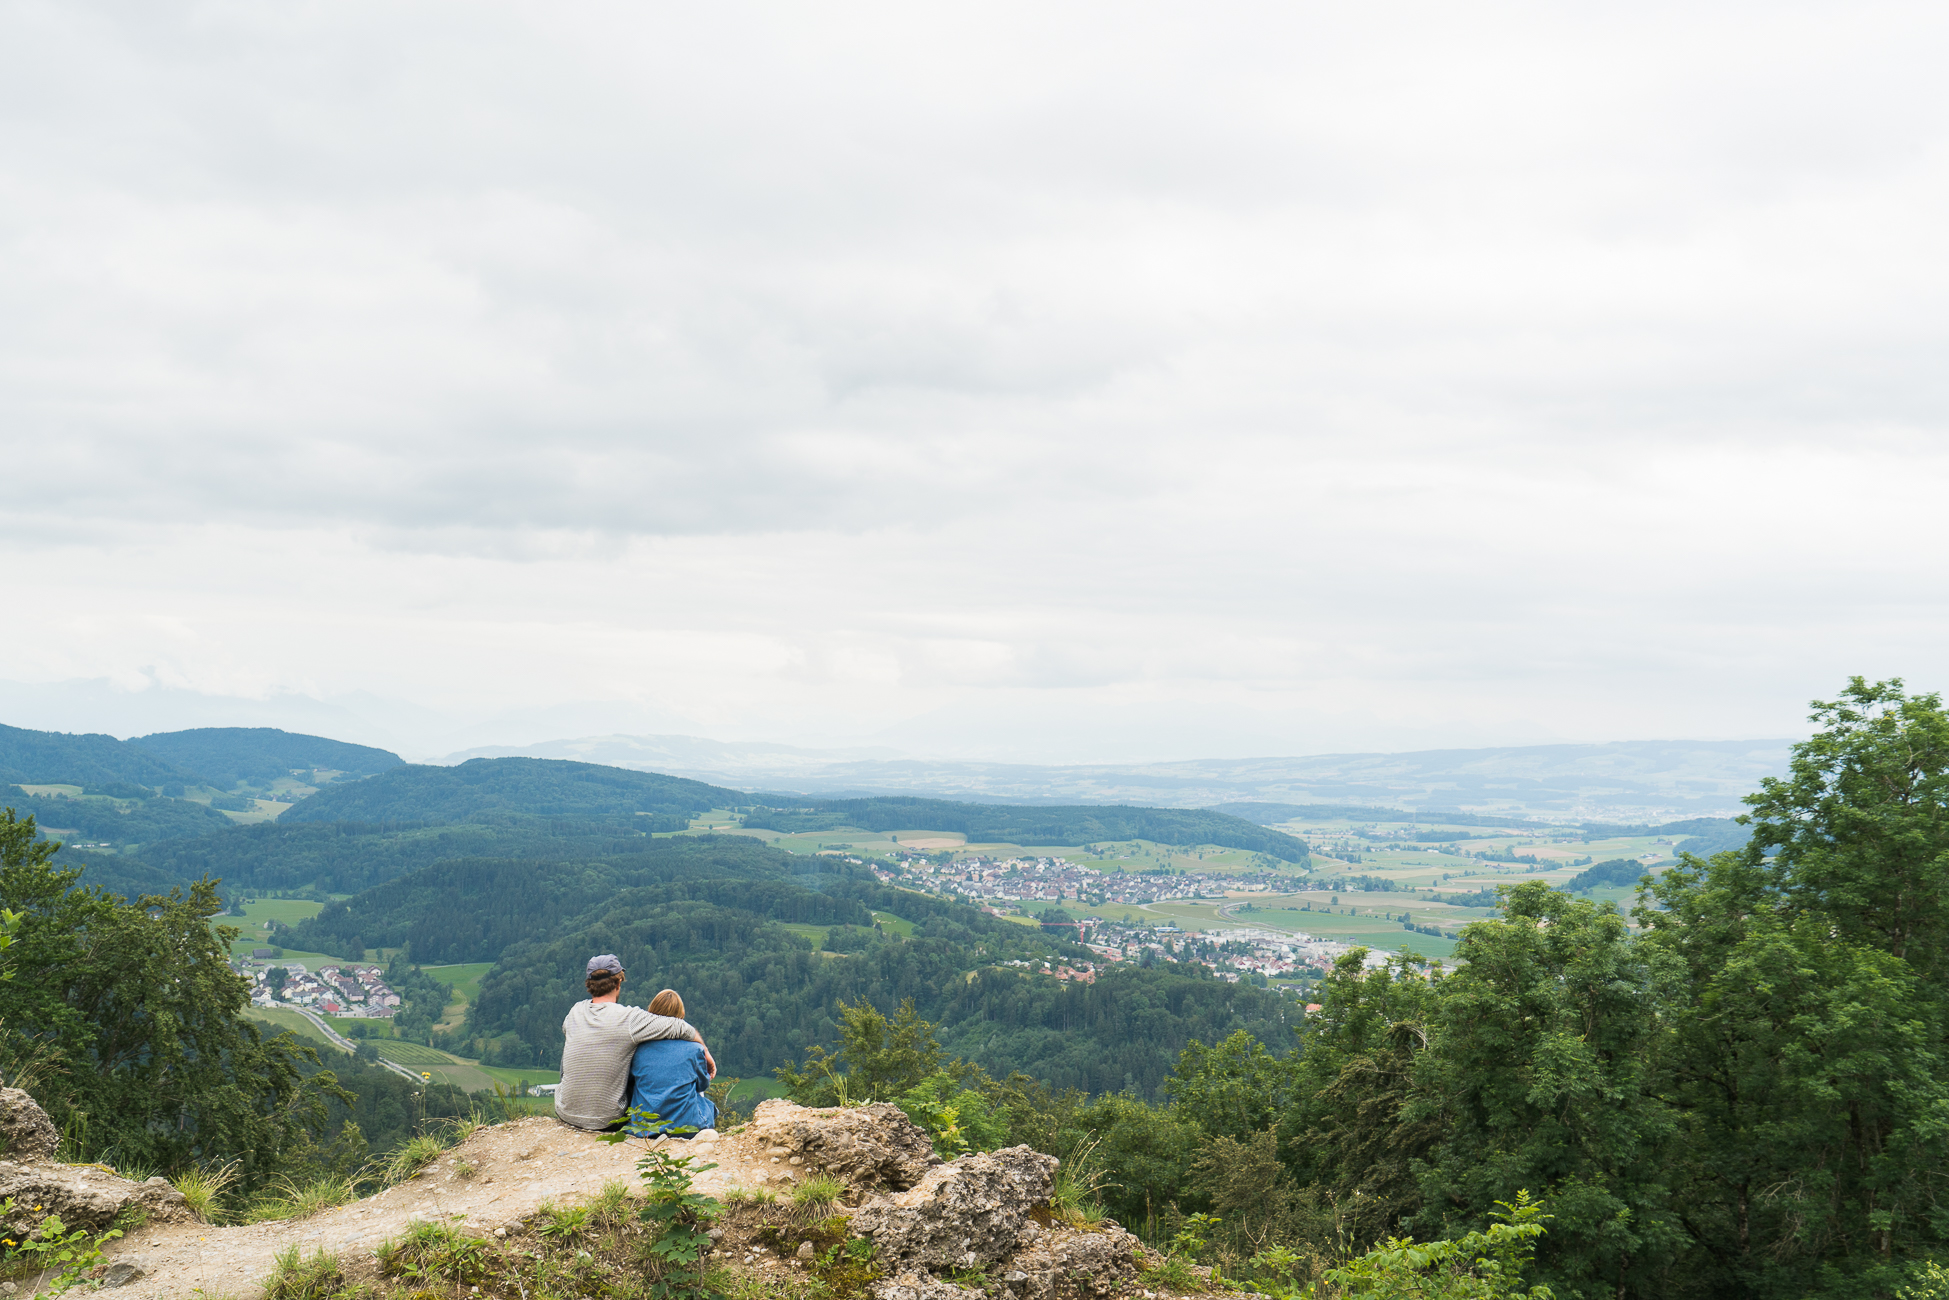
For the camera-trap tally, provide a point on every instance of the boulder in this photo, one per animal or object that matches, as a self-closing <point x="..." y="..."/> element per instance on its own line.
<point x="26" y="1133"/>
<point x="869" y="1146"/>
<point x="967" y="1214"/>
<point x="1063" y="1264"/>
<point x="83" y="1195"/>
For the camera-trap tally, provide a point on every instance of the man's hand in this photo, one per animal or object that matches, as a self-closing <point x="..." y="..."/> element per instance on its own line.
<point x="709" y="1062"/>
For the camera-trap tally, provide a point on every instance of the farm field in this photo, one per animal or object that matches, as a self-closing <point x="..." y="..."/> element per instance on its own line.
<point x="468" y="1076"/>
<point x="278" y="1018"/>
<point x="464" y="977"/>
<point x="285" y="911"/>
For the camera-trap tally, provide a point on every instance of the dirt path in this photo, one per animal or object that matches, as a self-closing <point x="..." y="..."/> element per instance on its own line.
<point x="516" y="1166"/>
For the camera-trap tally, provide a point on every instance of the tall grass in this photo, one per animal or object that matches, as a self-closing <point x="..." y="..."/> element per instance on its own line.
<point x="202" y="1188"/>
<point x="1077" y="1197"/>
<point x="412" y="1156"/>
<point x="293" y="1277"/>
<point x="289" y="1199"/>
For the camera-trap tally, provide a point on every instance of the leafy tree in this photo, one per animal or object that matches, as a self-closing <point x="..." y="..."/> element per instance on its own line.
<point x="1234" y="1089"/>
<point x="135" y="1009"/>
<point x="1349" y="1132"/>
<point x="1543" y="1076"/>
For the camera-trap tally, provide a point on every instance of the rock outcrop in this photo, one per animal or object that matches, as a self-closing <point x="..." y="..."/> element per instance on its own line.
<point x="965" y="1215"/>
<point x="869" y="1146"/>
<point x="985" y="1213"/>
<point x="84" y="1196"/>
<point x="26" y="1133"/>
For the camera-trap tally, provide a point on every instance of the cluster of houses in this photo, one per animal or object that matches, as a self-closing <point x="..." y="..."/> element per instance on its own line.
<point x="347" y="990"/>
<point x="1031" y="880"/>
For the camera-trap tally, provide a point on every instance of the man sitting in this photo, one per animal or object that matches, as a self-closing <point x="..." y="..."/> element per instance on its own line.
<point x="668" y="1079"/>
<point x="602" y="1034"/>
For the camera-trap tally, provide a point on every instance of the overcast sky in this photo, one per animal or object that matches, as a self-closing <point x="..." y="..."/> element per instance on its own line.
<point x="1052" y="381"/>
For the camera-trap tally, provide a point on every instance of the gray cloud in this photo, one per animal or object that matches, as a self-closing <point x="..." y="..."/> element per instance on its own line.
<point x="1514" y="373"/>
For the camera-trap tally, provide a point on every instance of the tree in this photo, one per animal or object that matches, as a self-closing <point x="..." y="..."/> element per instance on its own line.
<point x="1348" y="1133"/>
<point x="1542" y="1076"/>
<point x="1859" y="829"/>
<point x="276" y="978"/>
<point x="137" y="1016"/>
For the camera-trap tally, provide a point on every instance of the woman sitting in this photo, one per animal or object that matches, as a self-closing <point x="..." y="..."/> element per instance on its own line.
<point x="668" y="1078"/>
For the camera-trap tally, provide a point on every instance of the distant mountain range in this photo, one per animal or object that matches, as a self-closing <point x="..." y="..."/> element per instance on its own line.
<point x="1630" y="781"/>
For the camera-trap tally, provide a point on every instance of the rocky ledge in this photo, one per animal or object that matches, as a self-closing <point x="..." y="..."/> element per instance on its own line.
<point x="987" y="1214"/>
<point x="33" y="1184"/>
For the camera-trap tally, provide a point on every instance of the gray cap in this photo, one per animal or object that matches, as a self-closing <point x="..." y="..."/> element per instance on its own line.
<point x="607" y="961"/>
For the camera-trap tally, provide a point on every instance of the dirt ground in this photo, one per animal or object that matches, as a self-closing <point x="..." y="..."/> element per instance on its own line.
<point x="515" y="1167"/>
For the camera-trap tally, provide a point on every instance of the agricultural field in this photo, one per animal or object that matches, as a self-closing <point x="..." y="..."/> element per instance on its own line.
<point x="302" y="1029"/>
<point x="465" y="979"/>
<point x="285" y="911"/>
<point x="468" y="1076"/>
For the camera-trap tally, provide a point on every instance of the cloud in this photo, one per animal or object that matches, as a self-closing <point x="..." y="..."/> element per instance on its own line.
<point x="1507" y="372"/>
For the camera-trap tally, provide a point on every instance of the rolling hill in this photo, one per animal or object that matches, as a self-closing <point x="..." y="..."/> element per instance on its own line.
<point x="535" y="787"/>
<point x="230" y="756"/>
<point x="59" y="758"/>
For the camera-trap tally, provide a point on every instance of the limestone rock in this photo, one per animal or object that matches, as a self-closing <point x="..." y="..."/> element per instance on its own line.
<point x="1071" y="1265"/>
<point x="26" y="1133"/>
<point x="917" y="1286"/>
<point x="868" y="1146"/>
<point x="83" y="1195"/>
<point x="121" y="1275"/>
<point x="968" y="1214"/>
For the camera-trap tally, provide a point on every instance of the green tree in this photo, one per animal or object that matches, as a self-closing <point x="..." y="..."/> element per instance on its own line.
<point x="877" y="1058"/>
<point x="1543" y="1076"/>
<point x="1235" y="1089"/>
<point x="1348" y="1133"/>
<point x="137" y="1013"/>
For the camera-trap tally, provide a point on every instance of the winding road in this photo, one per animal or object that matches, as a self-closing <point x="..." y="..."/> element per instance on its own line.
<point x="340" y="1040"/>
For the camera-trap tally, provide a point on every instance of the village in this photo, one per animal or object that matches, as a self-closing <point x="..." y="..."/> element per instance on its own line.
<point x="348" y="990"/>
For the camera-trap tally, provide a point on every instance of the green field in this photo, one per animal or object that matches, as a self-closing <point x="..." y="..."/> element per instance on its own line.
<point x="895" y="925"/>
<point x="465" y="978"/>
<point x="285" y="911"/>
<point x="468" y="1076"/>
<point x="279" y="1018"/>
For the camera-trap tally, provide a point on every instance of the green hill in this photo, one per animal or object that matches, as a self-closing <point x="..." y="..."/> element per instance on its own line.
<point x="1013" y="824"/>
<point x="474" y="909"/>
<point x="346" y="857"/>
<point x="114" y="821"/>
<point x="59" y="758"/>
<point x="540" y="787"/>
<point x="257" y="756"/>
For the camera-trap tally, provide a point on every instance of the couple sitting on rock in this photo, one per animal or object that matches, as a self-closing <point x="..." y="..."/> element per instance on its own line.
<point x="623" y="1063"/>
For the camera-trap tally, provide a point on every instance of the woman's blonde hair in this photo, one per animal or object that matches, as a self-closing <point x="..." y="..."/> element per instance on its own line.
<point x="667" y="1003"/>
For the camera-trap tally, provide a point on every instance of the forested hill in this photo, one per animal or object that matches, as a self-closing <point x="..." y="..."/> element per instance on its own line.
<point x="1009" y="824"/>
<point x="543" y="787"/>
<point x="230" y="756"/>
<point x="58" y="758"/>
<point x="473" y="909"/>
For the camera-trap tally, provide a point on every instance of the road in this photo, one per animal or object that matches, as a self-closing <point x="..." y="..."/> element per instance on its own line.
<point x="340" y="1040"/>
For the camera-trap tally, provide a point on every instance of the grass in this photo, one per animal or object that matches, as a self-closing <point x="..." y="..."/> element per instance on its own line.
<point x="294" y="1277"/>
<point x="405" y="1053"/>
<point x="202" y="1188"/>
<point x="289" y="1199"/>
<point x="435" y="1252"/>
<point x="279" y="1018"/>
<point x="413" y="1155"/>
<point x="1077" y="1198"/>
<point x="817" y="1195"/>
<point x="465" y="978"/>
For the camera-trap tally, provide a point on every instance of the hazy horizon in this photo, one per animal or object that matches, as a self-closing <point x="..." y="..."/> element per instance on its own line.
<point x="1086" y="384"/>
